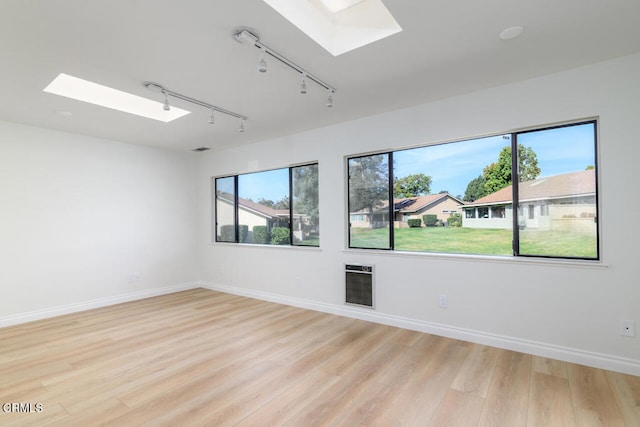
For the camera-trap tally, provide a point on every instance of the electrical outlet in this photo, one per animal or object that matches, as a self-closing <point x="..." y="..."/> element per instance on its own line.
<point x="443" y="301"/>
<point x="627" y="328"/>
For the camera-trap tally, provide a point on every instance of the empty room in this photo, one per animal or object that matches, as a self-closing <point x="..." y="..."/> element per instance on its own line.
<point x="319" y="213"/>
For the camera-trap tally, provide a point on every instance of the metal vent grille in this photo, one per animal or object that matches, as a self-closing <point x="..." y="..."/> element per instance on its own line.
<point x="359" y="287"/>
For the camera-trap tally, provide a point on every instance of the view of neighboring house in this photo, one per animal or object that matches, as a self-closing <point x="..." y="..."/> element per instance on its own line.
<point x="557" y="202"/>
<point x="252" y="214"/>
<point x="442" y="205"/>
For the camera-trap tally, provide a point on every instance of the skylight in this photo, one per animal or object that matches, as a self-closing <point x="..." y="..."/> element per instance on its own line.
<point x="339" y="5"/>
<point x="93" y="93"/>
<point x="339" y="26"/>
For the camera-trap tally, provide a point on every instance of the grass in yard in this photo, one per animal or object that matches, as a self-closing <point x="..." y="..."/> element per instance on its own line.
<point x="313" y="241"/>
<point x="558" y="243"/>
<point x="476" y="241"/>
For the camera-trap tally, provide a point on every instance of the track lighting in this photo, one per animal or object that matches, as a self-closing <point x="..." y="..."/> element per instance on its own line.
<point x="245" y="36"/>
<point x="166" y="92"/>
<point x="330" y="99"/>
<point x="166" y="102"/>
<point x="262" y="64"/>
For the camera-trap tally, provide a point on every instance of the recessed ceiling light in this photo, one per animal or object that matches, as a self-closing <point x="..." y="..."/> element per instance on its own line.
<point x="339" y="25"/>
<point x="511" y="33"/>
<point x="93" y="93"/>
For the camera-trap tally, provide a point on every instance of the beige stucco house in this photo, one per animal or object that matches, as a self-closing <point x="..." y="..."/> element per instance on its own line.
<point x="442" y="205"/>
<point x="566" y="201"/>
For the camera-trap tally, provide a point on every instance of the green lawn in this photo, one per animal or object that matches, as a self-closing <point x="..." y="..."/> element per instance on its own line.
<point x="476" y="241"/>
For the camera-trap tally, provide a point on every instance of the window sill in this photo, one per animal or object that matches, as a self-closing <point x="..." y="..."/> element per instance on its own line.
<point x="599" y="265"/>
<point x="256" y="246"/>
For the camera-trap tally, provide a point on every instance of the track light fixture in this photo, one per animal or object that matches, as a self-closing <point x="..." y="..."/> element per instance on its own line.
<point x="245" y="36"/>
<point x="165" y="106"/>
<point x="166" y="92"/>
<point x="262" y="64"/>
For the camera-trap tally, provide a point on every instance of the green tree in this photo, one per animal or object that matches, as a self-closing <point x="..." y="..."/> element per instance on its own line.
<point x="527" y="164"/>
<point x="498" y="175"/>
<point x="475" y="189"/>
<point x="305" y="192"/>
<point x="368" y="183"/>
<point x="412" y="186"/>
<point x="282" y="203"/>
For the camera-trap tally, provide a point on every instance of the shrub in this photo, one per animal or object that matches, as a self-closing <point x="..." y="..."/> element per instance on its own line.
<point x="414" y="222"/>
<point x="227" y="233"/>
<point x="280" y="236"/>
<point x="455" y="220"/>
<point x="244" y="233"/>
<point x="430" y="220"/>
<point x="261" y="234"/>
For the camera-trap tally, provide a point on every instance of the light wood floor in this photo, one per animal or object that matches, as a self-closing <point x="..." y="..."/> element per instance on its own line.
<point x="206" y="358"/>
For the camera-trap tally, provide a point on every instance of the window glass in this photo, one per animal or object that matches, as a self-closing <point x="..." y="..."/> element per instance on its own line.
<point x="263" y="206"/>
<point x="225" y="210"/>
<point x="255" y="207"/>
<point x="369" y="202"/>
<point x="445" y="187"/>
<point x="459" y="197"/>
<point x="557" y="185"/>
<point x="306" y="216"/>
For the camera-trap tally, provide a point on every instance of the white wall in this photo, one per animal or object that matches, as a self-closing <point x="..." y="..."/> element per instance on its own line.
<point x="78" y="215"/>
<point x="564" y="310"/>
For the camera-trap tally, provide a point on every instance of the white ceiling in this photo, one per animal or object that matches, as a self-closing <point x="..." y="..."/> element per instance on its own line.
<point x="446" y="48"/>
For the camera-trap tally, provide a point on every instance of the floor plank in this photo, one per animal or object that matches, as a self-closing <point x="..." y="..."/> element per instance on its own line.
<point x="201" y="357"/>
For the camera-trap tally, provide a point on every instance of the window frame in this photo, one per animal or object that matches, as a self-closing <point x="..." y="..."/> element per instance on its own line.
<point x="514" y="179"/>
<point x="216" y="211"/>
<point x="516" y="206"/>
<point x="236" y="206"/>
<point x="389" y="155"/>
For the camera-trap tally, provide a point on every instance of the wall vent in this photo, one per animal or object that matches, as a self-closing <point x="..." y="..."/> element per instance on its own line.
<point x="359" y="289"/>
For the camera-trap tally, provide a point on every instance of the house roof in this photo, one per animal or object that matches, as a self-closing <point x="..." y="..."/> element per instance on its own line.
<point x="250" y="205"/>
<point x="574" y="184"/>
<point x="419" y="203"/>
<point x="257" y="207"/>
<point x="415" y="204"/>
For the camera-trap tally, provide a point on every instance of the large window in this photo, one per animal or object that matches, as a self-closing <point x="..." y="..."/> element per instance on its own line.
<point x="256" y="207"/>
<point x="459" y="197"/>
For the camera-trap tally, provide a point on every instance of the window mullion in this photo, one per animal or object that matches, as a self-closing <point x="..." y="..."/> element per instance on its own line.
<point x="515" y="202"/>
<point x="236" y="215"/>
<point x="291" y="206"/>
<point x="391" y="202"/>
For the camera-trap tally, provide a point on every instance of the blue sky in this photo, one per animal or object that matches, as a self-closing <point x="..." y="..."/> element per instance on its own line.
<point x="451" y="166"/>
<point x="272" y="185"/>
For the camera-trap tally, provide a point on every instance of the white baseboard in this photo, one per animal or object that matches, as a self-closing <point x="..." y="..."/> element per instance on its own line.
<point x="552" y="351"/>
<point x="95" y="303"/>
